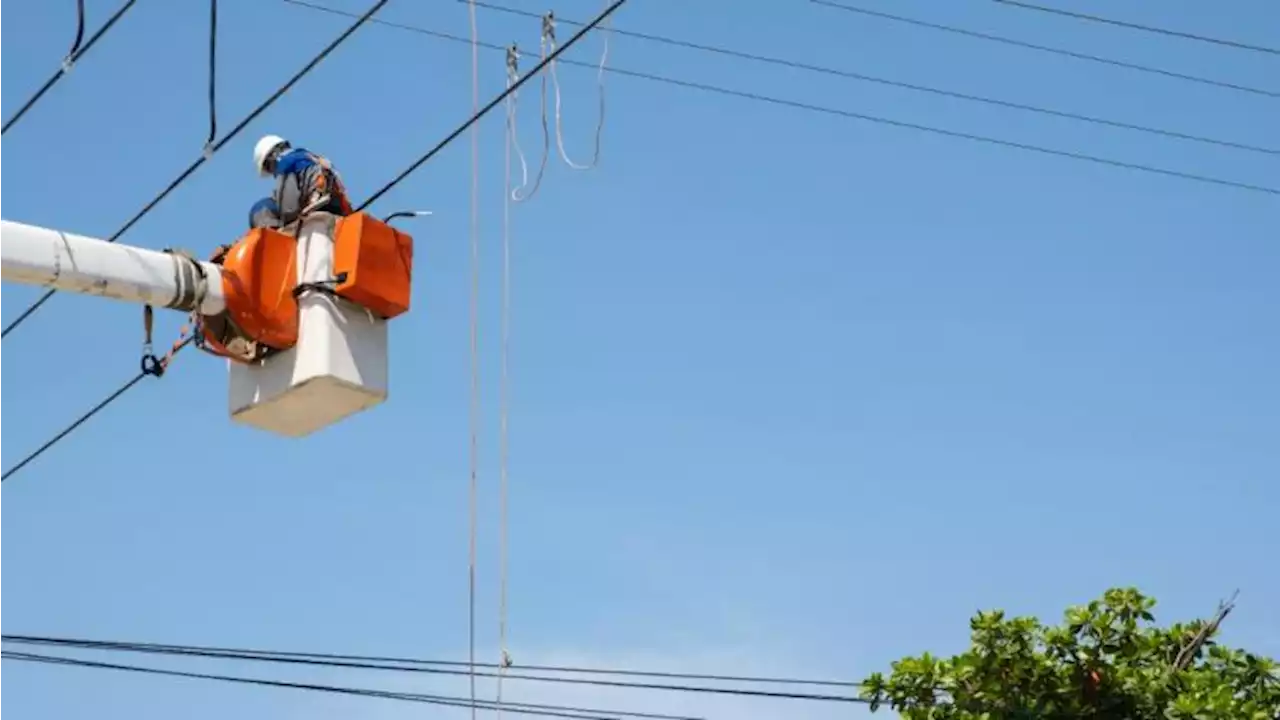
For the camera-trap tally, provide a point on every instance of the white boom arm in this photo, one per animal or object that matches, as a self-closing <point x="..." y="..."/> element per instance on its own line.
<point x="73" y="263"/>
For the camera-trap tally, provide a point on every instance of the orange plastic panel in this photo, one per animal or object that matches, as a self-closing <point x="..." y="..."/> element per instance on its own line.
<point x="377" y="261"/>
<point x="258" y="277"/>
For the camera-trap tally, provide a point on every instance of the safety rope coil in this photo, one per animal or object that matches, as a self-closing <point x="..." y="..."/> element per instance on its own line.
<point x="549" y="40"/>
<point x="524" y="191"/>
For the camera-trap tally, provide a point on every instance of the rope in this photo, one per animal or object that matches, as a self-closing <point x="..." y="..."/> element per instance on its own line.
<point x="504" y="387"/>
<point x="991" y="140"/>
<point x="914" y="87"/>
<point x="520" y="194"/>
<point x="475" y="351"/>
<point x="495" y="102"/>
<point x="549" y="39"/>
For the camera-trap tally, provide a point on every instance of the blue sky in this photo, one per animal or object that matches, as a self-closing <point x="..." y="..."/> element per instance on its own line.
<point x="791" y="392"/>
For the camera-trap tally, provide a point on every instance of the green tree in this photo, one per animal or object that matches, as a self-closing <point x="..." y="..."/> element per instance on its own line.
<point x="1107" y="660"/>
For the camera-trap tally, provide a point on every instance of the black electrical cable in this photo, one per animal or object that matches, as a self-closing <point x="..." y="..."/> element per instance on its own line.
<point x="1046" y="48"/>
<point x="561" y="711"/>
<point x="83" y="418"/>
<point x="68" y="62"/>
<point x="1138" y="26"/>
<point x="757" y="97"/>
<point x="213" y="74"/>
<point x="295" y="659"/>
<point x="362" y="19"/>
<point x="147" y="646"/>
<point x="513" y="87"/>
<point x="795" y="65"/>
<point x="75" y="45"/>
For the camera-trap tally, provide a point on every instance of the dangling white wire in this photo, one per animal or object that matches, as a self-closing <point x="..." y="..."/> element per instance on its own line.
<point x="524" y="192"/>
<point x="504" y="391"/>
<point x="549" y="38"/>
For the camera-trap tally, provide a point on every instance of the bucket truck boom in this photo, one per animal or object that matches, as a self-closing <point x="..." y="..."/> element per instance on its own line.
<point x="300" y="316"/>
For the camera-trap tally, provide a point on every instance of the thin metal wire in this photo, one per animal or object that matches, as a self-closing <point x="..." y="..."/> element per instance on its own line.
<point x="1014" y="42"/>
<point x="1138" y="26"/>
<point x="314" y="660"/>
<point x="863" y="77"/>
<point x="396" y="662"/>
<point x="824" y="110"/>
<point x="208" y="152"/>
<point x="67" y="63"/>
<point x="560" y="711"/>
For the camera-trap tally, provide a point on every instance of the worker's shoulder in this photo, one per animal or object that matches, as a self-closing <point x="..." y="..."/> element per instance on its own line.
<point x="296" y="160"/>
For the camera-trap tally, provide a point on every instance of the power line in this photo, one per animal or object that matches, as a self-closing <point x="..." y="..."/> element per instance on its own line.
<point x="144" y="647"/>
<point x="1138" y="26"/>
<point x="89" y="414"/>
<point x="75" y="44"/>
<point x="322" y="660"/>
<point x="209" y="151"/>
<point x="797" y="65"/>
<point x="77" y="52"/>
<point x="1047" y="49"/>
<point x="439" y="146"/>
<point x="561" y="711"/>
<point x="213" y="75"/>
<point x="820" y="109"/>
<point x="476" y="116"/>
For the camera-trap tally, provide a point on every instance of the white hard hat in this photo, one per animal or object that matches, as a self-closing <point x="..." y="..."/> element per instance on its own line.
<point x="262" y="151"/>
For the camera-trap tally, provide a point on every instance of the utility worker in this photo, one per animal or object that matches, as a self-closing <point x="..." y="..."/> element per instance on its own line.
<point x="305" y="181"/>
<point x="264" y="214"/>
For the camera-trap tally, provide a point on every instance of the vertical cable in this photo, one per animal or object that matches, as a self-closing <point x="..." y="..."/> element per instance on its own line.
<point x="213" y="78"/>
<point x="475" y="349"/>
<point x="75" y="45"/>
<point x="504" y="386"/>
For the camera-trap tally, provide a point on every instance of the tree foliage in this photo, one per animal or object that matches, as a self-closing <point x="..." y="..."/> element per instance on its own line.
<point x="1107" y="660"/>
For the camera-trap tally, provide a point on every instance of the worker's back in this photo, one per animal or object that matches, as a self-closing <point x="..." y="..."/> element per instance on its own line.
<point x="302" y="178"/>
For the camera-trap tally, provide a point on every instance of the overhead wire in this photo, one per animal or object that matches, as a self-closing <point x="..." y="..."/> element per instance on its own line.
<point x="131" y="383"/>
<point x="836" y="112"/>
<point x="208" y="153"/>
<point x="1014" y="42"/>
<point x="409" y="666"/>
<point x="115" y="395"/>
<point x="395" y="662"/>
<point x="560" y="711"/>
<point x="474" y="406"/>
<point x="862" y="77"/>
<point x="77" y="51"/>
<point x="213" y="77"/>
<point x="476" y="116"/>
<point x="1140" y="27"/>
<point x="75" y="44"/>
